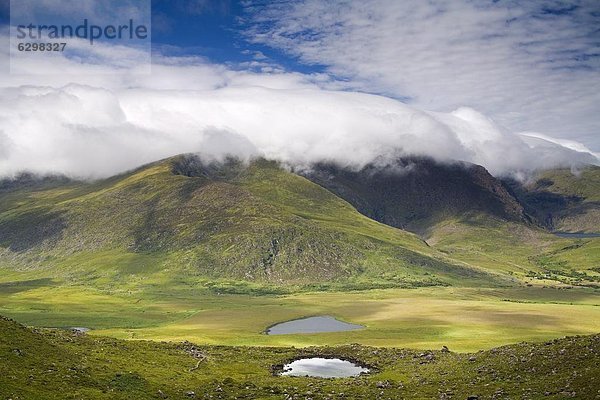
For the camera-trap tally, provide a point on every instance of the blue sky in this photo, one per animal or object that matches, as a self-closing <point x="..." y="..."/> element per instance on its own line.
<point x="209" y="30"/>
<point x="213" y="29"/>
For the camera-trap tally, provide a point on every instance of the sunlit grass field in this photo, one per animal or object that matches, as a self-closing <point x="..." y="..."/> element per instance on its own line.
<point x="59" y="364"/>
<point x="464" y="319"/>
<point x="217" y="258"/>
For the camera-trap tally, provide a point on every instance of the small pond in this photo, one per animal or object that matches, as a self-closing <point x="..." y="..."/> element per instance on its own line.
<point x="79" y="329"/>
<point x="577" y="235"/>
<point x="323" y="368"/>
<point x="319" y="324"/>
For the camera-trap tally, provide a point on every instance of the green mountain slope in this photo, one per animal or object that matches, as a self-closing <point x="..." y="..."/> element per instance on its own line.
<point x="555" y="199"/>
<point x="563" y="200"/>
<point x="464" y="212"/>
<point x="182" y="218"/>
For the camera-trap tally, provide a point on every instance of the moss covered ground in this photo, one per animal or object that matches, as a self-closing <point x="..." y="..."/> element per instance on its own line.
<point x="55" y="364"/>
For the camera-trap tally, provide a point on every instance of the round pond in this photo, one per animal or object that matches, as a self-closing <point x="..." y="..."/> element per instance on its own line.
<point x="323" y="368"/>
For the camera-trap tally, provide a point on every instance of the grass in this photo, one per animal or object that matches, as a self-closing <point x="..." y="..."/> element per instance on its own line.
<point x="517" y="250"/>
<point x="566" y="200"/>
<point x="53" y="364"/>
<point x="584" y="183"/>
<point x="465" y="319"/>
<point x="217" y="256"/>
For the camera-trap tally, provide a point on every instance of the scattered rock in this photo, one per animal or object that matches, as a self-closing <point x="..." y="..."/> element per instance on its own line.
<point x="445" y="349"/>
<point x="190" y="394"/>
<point x="427" y="357"/>
<point x="383" y="384"/>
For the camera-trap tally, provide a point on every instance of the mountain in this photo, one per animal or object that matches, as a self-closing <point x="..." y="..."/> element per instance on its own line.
<point x="187" y="221"/>
<point x="416" y="193"/>
<point x="182" y="217"/>
<point x="463" y="211"/>
<point x="562" y="199"/>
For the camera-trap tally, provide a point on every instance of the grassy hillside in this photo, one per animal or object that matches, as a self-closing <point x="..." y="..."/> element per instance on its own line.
<point x="559" y="199"/>
<point x="181" y="217"/>
<point x="215" y="253"/>
<point x="53" y="364"/>
<point x="519" y="250"/>
<point x="467" y="214"/>
<point x="564" y="200"/>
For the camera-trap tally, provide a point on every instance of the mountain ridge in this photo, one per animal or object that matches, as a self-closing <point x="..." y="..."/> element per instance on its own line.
<point x="259" y="222"/>
<point x="252" y="222"/>
<point x="415" y="193"/>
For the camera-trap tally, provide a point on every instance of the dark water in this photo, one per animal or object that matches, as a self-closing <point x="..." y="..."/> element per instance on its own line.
<point x="323" y="368"/>
<point x="312" y="325"/>
<point x="577" y="235"/>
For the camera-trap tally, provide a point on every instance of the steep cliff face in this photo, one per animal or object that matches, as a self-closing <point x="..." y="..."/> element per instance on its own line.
<point x="417" y="193"/>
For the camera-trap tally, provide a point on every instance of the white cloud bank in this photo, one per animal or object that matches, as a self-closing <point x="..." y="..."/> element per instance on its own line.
<point x="530" y="65"/>
<point x="95" y="125"/>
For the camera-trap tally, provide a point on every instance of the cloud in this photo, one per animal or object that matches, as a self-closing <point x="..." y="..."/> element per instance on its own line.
<point x="531" y="66"/>
<point x="100" y="119"/>
<point x="85" y="131"/>
<point x="5" y="146"/>
<point x="569" y="144"/>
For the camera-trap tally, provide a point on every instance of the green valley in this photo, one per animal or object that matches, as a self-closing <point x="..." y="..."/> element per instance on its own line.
<point x="54" y="364"/>
<point x="211" y="253"/>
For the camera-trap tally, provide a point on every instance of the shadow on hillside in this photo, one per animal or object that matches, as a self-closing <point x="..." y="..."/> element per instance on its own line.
<point x="32" y="229"/>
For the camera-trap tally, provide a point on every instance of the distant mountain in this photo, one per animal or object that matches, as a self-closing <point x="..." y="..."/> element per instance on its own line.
<point x="417" y="193"/>
<point x="563" y="200"/>
<point x="182" y="217"/>
<point x="463" y="211"/>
